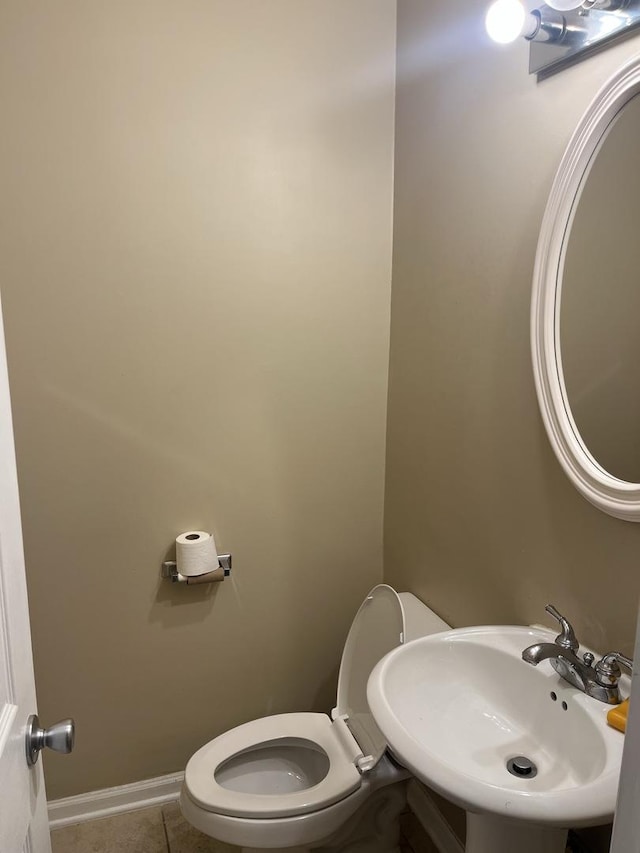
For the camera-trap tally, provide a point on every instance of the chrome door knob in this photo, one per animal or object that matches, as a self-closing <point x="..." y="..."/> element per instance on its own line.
<point x="59" y="737"/>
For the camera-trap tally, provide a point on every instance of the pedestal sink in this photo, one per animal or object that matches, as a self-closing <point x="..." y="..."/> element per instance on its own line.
<point x="525" y="753"/>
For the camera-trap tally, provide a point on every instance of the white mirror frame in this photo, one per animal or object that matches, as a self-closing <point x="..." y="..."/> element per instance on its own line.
<point x="611" y="495"/>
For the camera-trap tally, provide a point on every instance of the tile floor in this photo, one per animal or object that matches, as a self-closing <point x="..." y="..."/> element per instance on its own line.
<point x="155" y="830"/>
<point x="164" y="830"/>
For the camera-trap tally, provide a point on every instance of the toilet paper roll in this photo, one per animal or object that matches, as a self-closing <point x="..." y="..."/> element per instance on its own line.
<point x="196" y="553"/>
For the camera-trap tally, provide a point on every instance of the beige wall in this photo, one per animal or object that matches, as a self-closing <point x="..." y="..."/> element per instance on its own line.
<point x="480" y="520"/>
<point x="195" y="263"/>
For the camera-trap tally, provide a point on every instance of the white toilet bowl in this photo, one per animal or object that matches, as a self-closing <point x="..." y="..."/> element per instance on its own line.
<point x="297" y="779"/>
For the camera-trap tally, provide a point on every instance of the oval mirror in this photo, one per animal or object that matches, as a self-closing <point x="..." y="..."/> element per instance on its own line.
<point x="586" y="302"/>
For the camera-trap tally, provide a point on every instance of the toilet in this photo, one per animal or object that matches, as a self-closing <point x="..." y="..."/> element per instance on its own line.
<point x="309" y="780"/>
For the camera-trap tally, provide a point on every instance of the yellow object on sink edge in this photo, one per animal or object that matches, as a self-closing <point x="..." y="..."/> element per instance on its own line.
<point x="617" y="717"/>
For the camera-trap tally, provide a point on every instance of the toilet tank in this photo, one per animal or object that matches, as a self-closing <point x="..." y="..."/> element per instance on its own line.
<point x="419" y="620"/>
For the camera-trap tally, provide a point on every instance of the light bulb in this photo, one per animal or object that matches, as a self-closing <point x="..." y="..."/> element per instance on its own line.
<point x="563" y="5"/>
<point x="505" y="20"/>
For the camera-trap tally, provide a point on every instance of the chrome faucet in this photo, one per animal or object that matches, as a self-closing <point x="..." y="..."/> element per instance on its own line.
<point x="600" y="681"/>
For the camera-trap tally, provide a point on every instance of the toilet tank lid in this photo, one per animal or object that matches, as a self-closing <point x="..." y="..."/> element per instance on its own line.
<point x="378" y="627"/>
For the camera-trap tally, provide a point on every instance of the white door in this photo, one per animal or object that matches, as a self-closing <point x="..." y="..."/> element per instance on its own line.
<point x="23" y="807"/>
<point x="626" y="827"/>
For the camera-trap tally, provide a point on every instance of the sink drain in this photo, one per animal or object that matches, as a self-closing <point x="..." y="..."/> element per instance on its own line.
<point x="522" y="767"/>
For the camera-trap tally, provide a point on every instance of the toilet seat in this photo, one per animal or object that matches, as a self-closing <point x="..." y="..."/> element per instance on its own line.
<point x="243" y="773"/>
<point x="307" y="730"/>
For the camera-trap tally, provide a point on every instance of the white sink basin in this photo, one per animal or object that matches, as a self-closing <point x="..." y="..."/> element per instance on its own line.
<point x="455" y="707"/>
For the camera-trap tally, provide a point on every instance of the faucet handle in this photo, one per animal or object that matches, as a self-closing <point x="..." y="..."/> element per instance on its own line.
<point x="607" y="669"/>
<point x="567" y="638"/>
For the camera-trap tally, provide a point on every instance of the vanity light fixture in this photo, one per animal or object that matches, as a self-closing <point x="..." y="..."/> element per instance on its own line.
<point x="561" y="32"/>
<point x="507" y="20"/>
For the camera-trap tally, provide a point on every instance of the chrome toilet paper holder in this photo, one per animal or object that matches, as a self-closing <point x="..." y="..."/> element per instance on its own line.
<point x="170" y="571"/>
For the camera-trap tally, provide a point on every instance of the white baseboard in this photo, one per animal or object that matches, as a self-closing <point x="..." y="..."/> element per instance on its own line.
<point x="166" y="789"/>
<point x="433" y="821"/>
<point x="110" y="801"/>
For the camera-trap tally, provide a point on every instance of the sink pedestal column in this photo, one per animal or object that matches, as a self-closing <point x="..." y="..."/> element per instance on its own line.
<point x="488" y="834"/>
